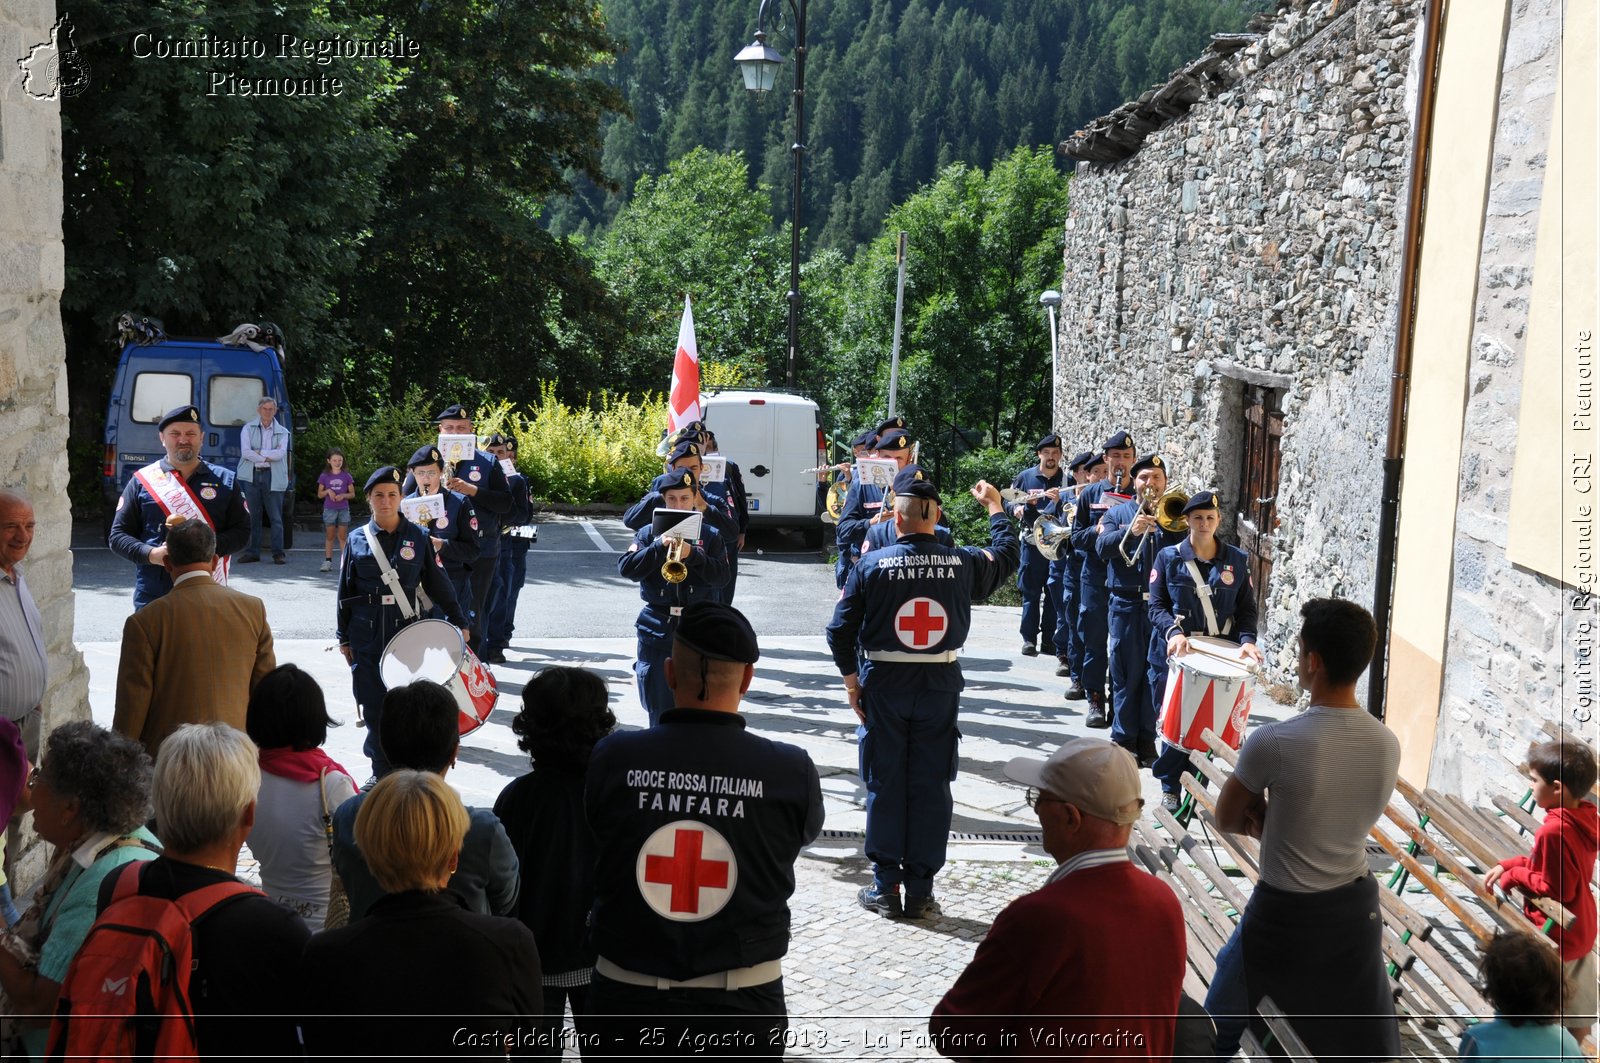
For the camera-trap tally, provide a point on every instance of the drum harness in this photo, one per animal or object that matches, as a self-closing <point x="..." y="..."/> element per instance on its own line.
<point x="1202" y="590"/>
<point x="391" y="578"/>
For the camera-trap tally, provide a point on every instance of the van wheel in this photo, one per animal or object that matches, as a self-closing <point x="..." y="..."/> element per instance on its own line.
<point x="287" y="516"/>
<point x="812" y="538"/>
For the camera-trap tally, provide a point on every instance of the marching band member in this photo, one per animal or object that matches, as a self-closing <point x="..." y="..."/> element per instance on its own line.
<point x="863" y="505"/>
<point x="1065" y="572"/>
<point x="664" y="601"/>
<point x="686" y="457"/>
<point x="178" y="483"/>
<point x="385" y="562"/>
<point x="887" y="534"/>
<point x="454" y="535"/>
<point x="860" y="447"/>
<point x="1128" y="547"/>
<point x="481" y="479"/>
<point x="1093" y="600"/>
<point x="1043" y="483"/>
<point x="1201" y="586"/>
<point x="515" y="541"/>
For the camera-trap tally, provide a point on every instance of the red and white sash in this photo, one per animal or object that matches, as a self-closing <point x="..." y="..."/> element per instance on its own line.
<point x="174" y="495"/>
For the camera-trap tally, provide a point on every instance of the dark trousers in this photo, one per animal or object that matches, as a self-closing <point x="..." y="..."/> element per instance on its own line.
<point x="262" y="501"/>
<point x="650" y="672"/>
<point x="485" y="571"/>
<point x="1093" y="604"/>
<point x="1033" y="581"/>
<point x="1133" y="715"/>
<point x="725" y="592"/>
<point x="1068" y="647"/>
<point x="642" y="1022"/>
<point x="502" y="621"/>
<point x="908" y="760"/>
<point x="548" y="1043"/>
<point x="369" y="691"/>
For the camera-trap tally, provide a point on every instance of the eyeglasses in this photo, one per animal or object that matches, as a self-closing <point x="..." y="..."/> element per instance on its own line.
<point x="1036" y="797"/>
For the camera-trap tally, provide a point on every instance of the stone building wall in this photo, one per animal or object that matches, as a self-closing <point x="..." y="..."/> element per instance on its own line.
<point x="1503" y="656"/>
<point x="1257" y="239"/>
<point x="33" y="373"/>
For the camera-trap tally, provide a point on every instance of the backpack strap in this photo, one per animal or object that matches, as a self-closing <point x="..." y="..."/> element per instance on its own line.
<point x="196" y="904"/>
<point x="127" y="881"/>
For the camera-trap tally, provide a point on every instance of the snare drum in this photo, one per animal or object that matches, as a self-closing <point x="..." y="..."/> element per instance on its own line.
<point x="1205" y="690"/>
<point x="435" y="650"/>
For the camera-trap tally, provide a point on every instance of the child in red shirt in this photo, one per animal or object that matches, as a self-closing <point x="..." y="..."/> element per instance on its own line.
<point x="1560" y="865"/>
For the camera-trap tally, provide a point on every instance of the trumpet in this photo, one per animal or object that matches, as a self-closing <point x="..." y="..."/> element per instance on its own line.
<point x="673" y="570"/>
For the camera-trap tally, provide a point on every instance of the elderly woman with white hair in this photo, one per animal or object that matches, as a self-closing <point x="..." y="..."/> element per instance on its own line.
<point x="245" y="948"/>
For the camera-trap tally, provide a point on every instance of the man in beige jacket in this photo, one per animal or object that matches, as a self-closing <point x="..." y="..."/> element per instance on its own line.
<point x="194" y="655"/>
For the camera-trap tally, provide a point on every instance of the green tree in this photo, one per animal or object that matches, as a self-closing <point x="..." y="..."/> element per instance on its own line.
<point x="699" y="230"/>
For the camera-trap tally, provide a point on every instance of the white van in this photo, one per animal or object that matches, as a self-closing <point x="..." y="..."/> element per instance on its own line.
<point x="773" y="436"/>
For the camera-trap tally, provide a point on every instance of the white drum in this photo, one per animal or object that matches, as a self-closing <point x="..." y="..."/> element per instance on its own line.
<point x="435" y="650"/>
<point x="1208" y="687"/>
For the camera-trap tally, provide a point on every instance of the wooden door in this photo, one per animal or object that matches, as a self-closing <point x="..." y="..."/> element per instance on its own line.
<point x="1256" y="515"/>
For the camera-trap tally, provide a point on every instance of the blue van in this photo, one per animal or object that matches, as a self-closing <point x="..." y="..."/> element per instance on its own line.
<point x="224" y="381"/>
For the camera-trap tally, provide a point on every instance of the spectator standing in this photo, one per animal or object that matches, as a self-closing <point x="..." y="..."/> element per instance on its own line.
<point x="336" y="486"/>
<point x="24" y="663"/>
<point x="179" y="484"/>
<point x="691" y="912"/>
<point x="264" y="477"/>
<point x="564" y="713"/>
<point x="90" y="798"/>
<point x="194" y="655"/>
<point x="1522" y="979"/>
<point x="421" y="976"/>
<point x="1310" y="788"/>
<point x="1053" y="969"/>
<point x="300" y="787"/>
<point x="421" y="733"/>
<point x="247" y="949"/>
<point x="1560" y="866"/>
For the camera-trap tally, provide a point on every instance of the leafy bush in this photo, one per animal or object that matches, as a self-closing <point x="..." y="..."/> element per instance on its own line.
<point x="387" y="436"/>
<point x="969" y="521"/>
<point x="603" y="452"/>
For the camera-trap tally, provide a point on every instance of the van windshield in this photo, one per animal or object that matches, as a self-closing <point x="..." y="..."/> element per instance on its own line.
<point x="156" y="393"/>
<point x="232" y="400"/>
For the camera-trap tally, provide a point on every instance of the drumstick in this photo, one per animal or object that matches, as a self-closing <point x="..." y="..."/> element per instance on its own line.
<point x="1250" y="667"/>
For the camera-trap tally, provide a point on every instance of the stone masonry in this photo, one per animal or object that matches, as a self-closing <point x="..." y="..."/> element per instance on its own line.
<point x="1256" y="240"/>
<point x="33" y="372"/>
<point x="1503" y="654"/>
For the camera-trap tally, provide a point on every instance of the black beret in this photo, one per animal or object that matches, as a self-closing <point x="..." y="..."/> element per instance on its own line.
<point x="500" y="439"/>
<point x="893" y="439"/>
<point x="686" y="449"/>
<point x="692" y="428"/>
<point x="453" y="412"/>
<point x="910" y="482"/>
<point x="1080" y="460"/>
<point x="386" y="475"/>
<point x="1051" y="440"/>
<point x="1119" y="441"/>
<point x="677" y="478"/>
<point x="1097" y="458"/>
<point x="864" y="439"/>
<point x="426" y="455"/>
<point x="892" y="424"/>
<point x="719" y="632"/>
<point x="186" y="414"/>
<point x="1202" y="500"/>
<point x="1149" y="461"/>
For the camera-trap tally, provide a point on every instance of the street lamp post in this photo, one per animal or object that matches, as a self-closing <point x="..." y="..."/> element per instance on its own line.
<point x="759" y="65"/>
<point x="1050" y="299"/>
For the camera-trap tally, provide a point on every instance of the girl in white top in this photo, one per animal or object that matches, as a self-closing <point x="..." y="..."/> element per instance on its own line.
<point x="300" y="787"/>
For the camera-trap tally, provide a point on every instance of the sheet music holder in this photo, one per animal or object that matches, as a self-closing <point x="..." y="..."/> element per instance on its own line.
<point x="457" y="448"/>
<point x="684" y="523"/>
<point x="423" y="509"/>
<point x="713" y="468"/>
<point x="877" y="472"/>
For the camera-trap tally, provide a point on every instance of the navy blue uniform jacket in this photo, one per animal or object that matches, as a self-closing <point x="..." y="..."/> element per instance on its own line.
<point x="141" y="524"/>
<point x="1173" y="592"/>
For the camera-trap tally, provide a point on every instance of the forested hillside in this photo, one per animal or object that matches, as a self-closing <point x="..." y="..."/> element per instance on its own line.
<point x="896" y="90"/>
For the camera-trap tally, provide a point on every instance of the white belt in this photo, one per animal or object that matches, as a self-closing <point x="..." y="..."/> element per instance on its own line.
<point x="738" y="978"/>
<point x="902" y="657"/>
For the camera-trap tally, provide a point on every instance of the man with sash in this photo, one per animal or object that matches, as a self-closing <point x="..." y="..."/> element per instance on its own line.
<point x="181" y="485"/>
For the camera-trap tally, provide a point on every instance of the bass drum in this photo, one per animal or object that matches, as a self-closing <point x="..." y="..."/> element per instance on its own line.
<point x="435" y="650"/>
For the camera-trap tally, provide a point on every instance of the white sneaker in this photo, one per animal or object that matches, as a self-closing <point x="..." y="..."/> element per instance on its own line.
<point x="327" y="565"/>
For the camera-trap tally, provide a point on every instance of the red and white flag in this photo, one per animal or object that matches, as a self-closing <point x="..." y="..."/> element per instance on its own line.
<point x="683" y="401"/>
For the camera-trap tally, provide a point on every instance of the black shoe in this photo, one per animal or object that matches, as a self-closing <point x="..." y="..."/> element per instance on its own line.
<point x="1030" y="650"/>
<point x="1099" y="718"/>
<point x="1147" y="753"/>
<point x="494" y="657"/>
<point x="246" y="559"/>
<point x="279" y="559"/>
<point x="1171" y="802"/>
<point x="883" y="903"/>
<point x="1063" y="669"/>
<point x="1074" y="691"/>
<point x="922" y="908"/>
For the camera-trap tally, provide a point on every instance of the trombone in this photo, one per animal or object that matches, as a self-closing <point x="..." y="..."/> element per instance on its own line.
<point x="673" y="570"/>
<point x="1168" y="512"/>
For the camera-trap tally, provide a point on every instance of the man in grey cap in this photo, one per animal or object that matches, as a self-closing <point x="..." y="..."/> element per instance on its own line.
<point x="1092" y="962"/>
